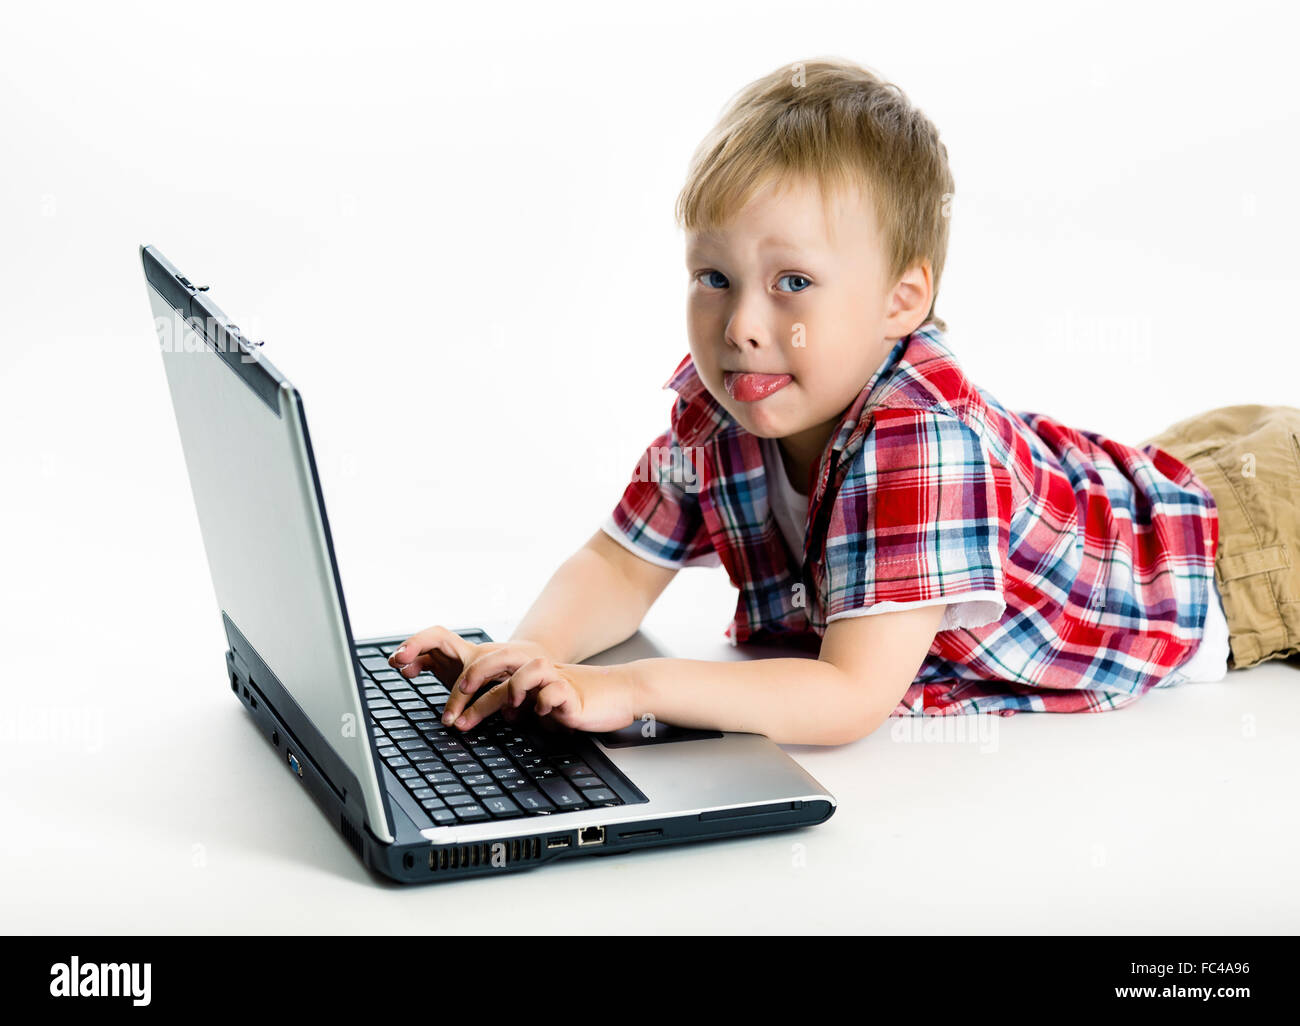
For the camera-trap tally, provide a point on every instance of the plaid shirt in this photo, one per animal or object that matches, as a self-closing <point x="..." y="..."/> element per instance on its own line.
<point x="1084" y="564"/>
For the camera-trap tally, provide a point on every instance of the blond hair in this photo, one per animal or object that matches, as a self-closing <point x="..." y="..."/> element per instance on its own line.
<point x="840" y="124"/>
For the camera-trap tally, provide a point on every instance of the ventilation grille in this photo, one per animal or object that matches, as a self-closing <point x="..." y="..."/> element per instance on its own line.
<point x="352" y="836"/>
<point x="467" y="856"/>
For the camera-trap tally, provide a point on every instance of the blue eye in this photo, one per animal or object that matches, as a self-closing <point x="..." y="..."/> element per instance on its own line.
<point x="707" y="274"/>
<point x="800" y="277"/>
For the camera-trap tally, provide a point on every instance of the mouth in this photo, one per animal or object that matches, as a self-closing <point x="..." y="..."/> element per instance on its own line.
<point x="750" y="387"/>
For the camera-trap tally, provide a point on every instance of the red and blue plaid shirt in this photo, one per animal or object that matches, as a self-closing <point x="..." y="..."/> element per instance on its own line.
<point x="1089" y="561"/>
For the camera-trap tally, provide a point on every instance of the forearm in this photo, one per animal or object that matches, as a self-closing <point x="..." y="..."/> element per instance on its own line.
<point x="587" y="606"/>
<point x="791" y="701"/>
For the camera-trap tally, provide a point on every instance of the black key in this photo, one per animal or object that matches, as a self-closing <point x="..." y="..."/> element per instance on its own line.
<point x="506" y="772"/>
<point x="412" y="706"/>
<point x="362" y="653"/>
<point x="375" y="663"/>
<point x="419" y="715"/>
<point x="600" y="794"/>
<point x="486" y="751"/>
<point x="433" y="805"/>
<point x="389" y="649"/>
<point x="458" y="799"/>
<point x="389" y="750"/>
<point x="445" y="789"/>
<point x="385" y="714"/>
<point x="454" y="757"/>
<point x="433" y="691"/>
<point x="470" y="812"/>
<point x="495" y="761"/>
<point x="474" y="779"/>
<point x="423" y="756"/>
<point x="566" y="761"/>
<point x="500" y="806"/>
<point x="424" y="792"/>
<point x="486" y="790"/>
<point x="416" y="745"/>
<point x="582" y="783"/>
<point x="396" y="761"/>
<point x="407" y="772"/>
<point x="533" y="801"/>
<point x="435" y="775"/>
<point x="516" y="784"/>
<point x="383" y="675"/>
<point x="465" y="769"/>
<point x="449" y="745"/>
<point x="403" y="734"/>
<point x="561" y="793"/>
<point x="442" y="816"/>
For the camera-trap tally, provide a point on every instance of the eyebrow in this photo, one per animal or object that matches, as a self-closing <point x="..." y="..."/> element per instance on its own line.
<point x="770" y="242"/>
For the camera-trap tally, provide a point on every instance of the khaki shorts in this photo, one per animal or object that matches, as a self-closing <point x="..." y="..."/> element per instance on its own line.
<point x="1249" y="458"/>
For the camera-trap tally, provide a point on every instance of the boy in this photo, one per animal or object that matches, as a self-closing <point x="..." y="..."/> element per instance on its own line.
<point x="941" y="553"/>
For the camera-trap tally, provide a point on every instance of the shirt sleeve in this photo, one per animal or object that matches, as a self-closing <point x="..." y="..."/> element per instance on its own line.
<point x="658" y="517"/>
<point x="922" y="517"/>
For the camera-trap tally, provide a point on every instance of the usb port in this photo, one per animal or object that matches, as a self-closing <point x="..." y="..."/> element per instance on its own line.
<point x="557" y="842"/>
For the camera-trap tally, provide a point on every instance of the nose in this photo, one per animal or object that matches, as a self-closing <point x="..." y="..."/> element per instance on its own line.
<point x="747" y="329"/>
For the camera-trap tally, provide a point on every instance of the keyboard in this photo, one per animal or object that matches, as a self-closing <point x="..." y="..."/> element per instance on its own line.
<point x="494" y="770"/>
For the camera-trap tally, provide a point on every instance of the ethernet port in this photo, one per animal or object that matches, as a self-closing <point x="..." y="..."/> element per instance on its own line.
<point x="591" y="835"/>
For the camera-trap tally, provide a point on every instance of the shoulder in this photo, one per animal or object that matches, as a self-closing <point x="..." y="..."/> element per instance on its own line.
<point x="929" y="379"/>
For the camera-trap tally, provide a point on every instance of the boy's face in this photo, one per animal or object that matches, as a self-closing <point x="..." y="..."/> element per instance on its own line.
<point x="789" y="313"/>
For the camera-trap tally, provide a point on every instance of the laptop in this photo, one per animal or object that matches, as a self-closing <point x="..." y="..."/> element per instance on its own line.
<point x="416" y="800"/>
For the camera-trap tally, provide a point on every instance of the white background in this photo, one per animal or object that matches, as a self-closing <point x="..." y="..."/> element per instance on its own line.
<point x="453" y="228"/>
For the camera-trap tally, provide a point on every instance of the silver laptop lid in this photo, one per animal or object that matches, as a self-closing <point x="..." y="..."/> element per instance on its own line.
<point x="262" y="516"/>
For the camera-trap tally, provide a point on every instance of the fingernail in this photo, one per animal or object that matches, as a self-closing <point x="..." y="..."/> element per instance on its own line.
<point x="399" y="652"/>
<point x="463" y="721"/>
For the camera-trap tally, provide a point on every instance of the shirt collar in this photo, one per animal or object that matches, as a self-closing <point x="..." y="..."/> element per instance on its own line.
<point x="703" y="417"/>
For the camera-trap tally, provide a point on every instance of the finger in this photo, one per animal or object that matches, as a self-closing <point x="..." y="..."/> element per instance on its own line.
<point x="488" y="703"/>
<point x="420" y="649"/>
<point x="557" y="698"/>
<point x="456" y="703"/>
<point x="486" y="666"/>
<point x="532" y="674"/>
<point x="435" y="638"/>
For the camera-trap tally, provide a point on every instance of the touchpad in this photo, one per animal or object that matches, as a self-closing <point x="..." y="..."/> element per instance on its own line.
<point x="652" y="732"/>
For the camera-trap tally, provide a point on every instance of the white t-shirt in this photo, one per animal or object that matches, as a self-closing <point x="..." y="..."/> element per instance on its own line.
<point x="1210" y="660"/>
<point x="790" y="510"/>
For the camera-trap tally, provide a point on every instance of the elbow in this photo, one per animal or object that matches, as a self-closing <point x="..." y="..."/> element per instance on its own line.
<point x="844" y="730"/>
<point x="860" y="721"/>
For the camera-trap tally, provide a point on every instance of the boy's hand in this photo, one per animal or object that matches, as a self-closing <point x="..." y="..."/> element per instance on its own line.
<point x="446" y="654"/>
<point x="441" y="651"/>
<point x="591" y="698"/>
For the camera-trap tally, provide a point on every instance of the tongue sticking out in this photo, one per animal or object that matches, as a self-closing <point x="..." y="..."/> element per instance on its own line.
<point x="748" y="388"/>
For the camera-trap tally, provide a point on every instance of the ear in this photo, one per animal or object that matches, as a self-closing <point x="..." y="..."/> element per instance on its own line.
<point x="910" y="301"/>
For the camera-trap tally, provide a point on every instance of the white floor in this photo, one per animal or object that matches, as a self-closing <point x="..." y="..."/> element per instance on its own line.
<point x="147" y="803"/>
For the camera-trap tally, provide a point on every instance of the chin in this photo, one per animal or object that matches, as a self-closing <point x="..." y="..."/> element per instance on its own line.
<point x="763" y="424"/>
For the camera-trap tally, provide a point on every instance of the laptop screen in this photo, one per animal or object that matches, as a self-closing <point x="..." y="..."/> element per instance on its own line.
<point x="246" y="447"/>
